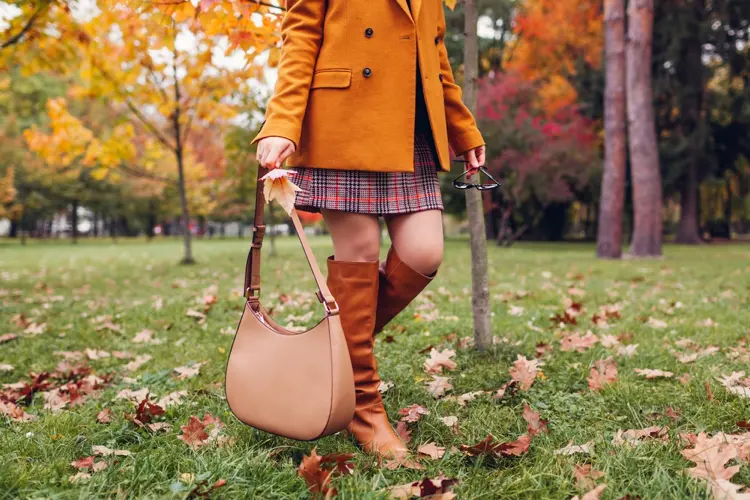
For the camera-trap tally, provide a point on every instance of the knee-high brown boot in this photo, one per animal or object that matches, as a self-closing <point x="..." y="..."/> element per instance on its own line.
<point x="355" y="286"/>
<point x="399" y="285"/>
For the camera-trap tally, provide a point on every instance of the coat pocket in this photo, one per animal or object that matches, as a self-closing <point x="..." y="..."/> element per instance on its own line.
<point x="331" y="79"/>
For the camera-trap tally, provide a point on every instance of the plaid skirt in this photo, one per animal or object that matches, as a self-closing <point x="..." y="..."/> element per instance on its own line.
<point x="376" y="193"/>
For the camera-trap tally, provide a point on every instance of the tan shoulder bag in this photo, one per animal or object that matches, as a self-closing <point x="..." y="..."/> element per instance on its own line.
<point x="296" y="385"/>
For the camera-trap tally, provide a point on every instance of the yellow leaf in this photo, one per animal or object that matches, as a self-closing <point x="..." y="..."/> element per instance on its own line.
<point x="451" y="4"/>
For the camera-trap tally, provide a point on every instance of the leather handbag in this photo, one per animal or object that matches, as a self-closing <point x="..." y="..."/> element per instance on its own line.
<point x="295" y="385"/>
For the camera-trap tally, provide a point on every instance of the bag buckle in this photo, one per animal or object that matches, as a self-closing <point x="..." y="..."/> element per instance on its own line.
<point x="252" y="292"/>
<point x="331" y="310"/>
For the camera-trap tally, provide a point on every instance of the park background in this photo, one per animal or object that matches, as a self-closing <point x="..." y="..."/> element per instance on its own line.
<point x="603" y="289"/>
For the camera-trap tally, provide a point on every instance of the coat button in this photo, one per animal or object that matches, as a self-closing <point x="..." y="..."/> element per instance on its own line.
<point x="367" y="72"/>
<point x="441" y="77"/>
<point x="368" y="32"/>
<point x="437" y="40"/>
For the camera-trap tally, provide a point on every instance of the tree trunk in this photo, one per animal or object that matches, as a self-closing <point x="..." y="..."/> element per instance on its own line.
<point x="13" y="229"/>
<point x="188" y="256"/>
<point x="690" y="75"/>
<point x="644" y="158"/>
<point x="480" y="290"/>
<point x="609" y="237"/>
<point x="74" y="222"/>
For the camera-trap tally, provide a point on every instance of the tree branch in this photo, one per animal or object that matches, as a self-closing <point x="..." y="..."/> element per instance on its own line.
<point x="15" y="38"/>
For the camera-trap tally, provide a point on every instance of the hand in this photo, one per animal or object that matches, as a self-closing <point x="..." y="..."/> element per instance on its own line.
<point x="272" y="151"/>
<point x="475" y="159"/>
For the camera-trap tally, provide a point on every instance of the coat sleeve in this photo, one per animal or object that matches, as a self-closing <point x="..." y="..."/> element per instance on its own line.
<point x="463" y="133"/>
<point x="301" y="36"/>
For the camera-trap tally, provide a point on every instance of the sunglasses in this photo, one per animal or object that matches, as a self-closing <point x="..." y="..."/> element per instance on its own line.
<point x="481" y="187"/>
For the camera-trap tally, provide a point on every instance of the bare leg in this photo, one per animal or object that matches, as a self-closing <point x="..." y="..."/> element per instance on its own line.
<point x="356" y="237"/>
<point x="418" y="239"/>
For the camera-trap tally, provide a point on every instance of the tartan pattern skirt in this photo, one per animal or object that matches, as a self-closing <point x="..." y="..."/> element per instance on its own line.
<point x="377" y="193"/>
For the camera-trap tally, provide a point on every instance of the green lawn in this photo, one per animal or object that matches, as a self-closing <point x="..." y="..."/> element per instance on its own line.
<point x="76" y="291"/>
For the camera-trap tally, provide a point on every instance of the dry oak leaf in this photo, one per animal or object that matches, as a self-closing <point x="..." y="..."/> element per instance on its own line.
<point x="649" y="373"/>
<point x="511" y="387"/>
<point x="574" y="342"/>
<point x="525" y="371"/>
<point x="134" y="396"/>
<point x="89" y="463"/>
<point x="435" y="489"/>
<point x="535" y="424"/>
<point x="16" y="412"/>
<point x="488" y="446"/>
<point x="402" y="429"/>
<point x="172" y="399"/>
<point x="604" y="372"/>
<point x="413" y="413"/>
<point x="438" y="360"/>
<point x="277" y="186"/>
<point x="635" y="437"/>
<point x="383" y="387"/>
<point x="189" y="371"/>
<point x="138" y="362"/>
<point x="572" y="449"/>
<point x="593" y="494"/>
<point x="432" y="450"/>
<point x="737" y="384"/>
<point x="657" y="323"/>
<point x="318" y="478"/>
<point x="451" y="421"/>
<point x="104" y="416"/>
<point x="463" y="399"/>
<point x="710" y="456"/>
<point x="586" y="476"/>
<point x="107" y="452"/>
<point x="93" y="354"/>
<point x="438" y="386"/>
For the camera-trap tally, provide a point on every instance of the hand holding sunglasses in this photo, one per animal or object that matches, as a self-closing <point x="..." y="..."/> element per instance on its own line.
<point x="481" y="187"/>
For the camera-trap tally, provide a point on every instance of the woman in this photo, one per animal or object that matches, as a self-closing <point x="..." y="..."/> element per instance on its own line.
<point x="365" y="107"/>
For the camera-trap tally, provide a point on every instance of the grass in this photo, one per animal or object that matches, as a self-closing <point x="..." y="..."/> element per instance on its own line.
<point x="68" y="287"/>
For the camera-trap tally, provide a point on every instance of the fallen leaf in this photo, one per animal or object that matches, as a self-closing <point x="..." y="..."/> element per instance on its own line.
<point x="649" y="373"/>
<point x="593" y="494"/>
<point x="194" y="433"/>
<point x="413" y="413"/>
<point x="189" y="371"/>
<point x="737" y="384"/>
<point x="107" y="452"/>
<point x="586" y="476"/>
<point x="535" y="424"/>
<point x="4" y="367"/>
<point x="432" y="450"/>
<point x="510" y="387"/>
<point x="93" y="354"/>
<point x="572" y="449"/>
<point x="436" y="489"/>
<point x="524" y="371"/>
<point x="438" y="386"/>
<point x="383" y="387"/>
<point x="574" y="342"/>
<point x="104" y="416"/>
<point x="635" y="437"/>
<point x="604" y="372"/>
<point x="138" y="362"/>
<point x="402" y="429"/>
<point x="488" y="446"/>
<point x="438" y="360"/>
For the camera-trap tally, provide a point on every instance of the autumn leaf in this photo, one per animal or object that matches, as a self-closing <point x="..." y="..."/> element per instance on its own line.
<point x="194" y="433"/>
<point x="402" y="429"/>
<point x="574" y="342"/>
<point x="604" y="372"/>
<point x="534" y="423"/>
<point x="439" y="360"/>
<point x="189" y="371"/>
<point x="277" y="186"/>
<point x="107" y="452"/>
<point x="438" y="386"/>
<point x="525" y="371"/>
<point x="593" y="494"/>
<point x="413" y="413"/>
<point x="635" y="437"/>
<point x="104" y="416"/>
<point x="572" y="449"/>
<point x="431" y="450"/>
<point x="488" y="446"/>
<point x="437" y="489"/>
<point x="510" y="388"/>
<point x="317" y="471"/>
<point x="737" y="384"/>
<point x="586" y="476"/>
<point x="649" y="373"/>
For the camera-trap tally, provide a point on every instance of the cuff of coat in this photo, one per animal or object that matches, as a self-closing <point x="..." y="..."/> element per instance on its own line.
<point x="466" y="141"/>
<point x="278" y="129"/>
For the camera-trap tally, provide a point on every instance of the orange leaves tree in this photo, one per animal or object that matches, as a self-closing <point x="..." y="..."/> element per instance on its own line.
<point x="168" y="69"/>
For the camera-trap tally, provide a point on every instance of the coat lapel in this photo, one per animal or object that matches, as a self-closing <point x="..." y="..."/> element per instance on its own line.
<point x="405" y="6"/>
<point x="416" y="6"/>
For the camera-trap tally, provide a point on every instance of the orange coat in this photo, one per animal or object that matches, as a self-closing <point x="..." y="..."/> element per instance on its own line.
<point x="346" y="87"/>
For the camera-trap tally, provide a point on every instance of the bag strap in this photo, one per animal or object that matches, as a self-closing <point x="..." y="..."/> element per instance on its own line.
<point x="252" y="267"/>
